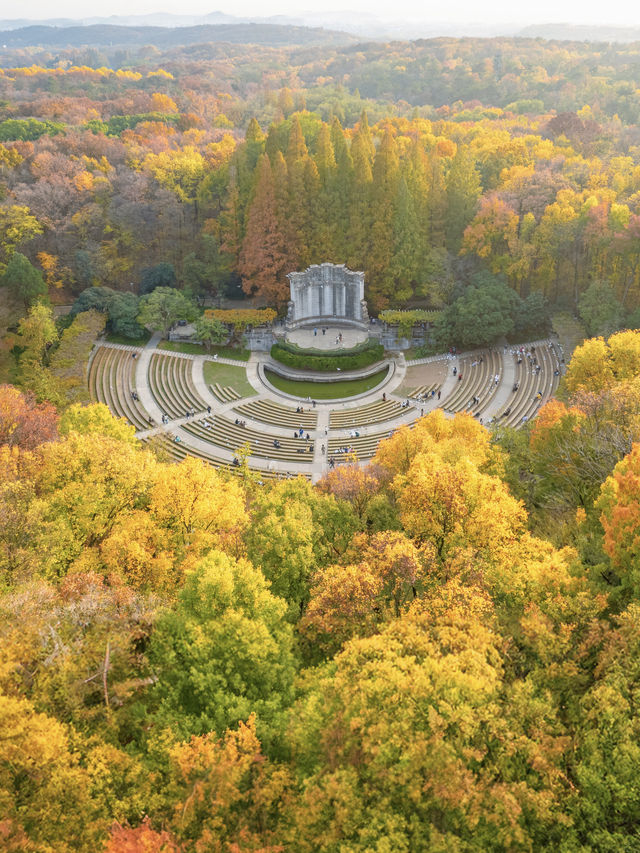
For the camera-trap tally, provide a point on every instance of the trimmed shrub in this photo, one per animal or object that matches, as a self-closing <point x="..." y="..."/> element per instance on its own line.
<point x="308" y="359"/>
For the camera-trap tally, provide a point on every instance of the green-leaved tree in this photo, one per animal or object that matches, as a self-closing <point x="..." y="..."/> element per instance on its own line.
<point x="164" y="307"/>
<point x="23" y="281"/>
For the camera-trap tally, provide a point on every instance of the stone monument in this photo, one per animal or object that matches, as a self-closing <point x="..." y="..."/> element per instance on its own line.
<point x="327" y="293"/>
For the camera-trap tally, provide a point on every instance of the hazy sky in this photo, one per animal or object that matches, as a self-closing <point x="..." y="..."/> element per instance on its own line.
<point x="486" y="11"/>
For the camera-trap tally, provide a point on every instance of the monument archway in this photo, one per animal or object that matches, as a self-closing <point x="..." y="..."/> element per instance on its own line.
<point x="327" y="294"/>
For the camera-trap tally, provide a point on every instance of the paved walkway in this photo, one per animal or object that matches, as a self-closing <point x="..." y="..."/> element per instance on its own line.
<point x="505" y="389"/>
<point x="330" y="340"/>
<point x="142" y="378"/>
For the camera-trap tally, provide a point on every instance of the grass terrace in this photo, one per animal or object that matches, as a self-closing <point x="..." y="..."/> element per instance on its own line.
<point x="228" y="375"/>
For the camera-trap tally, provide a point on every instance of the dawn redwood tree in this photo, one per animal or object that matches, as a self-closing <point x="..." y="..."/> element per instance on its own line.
<point x="264" y="255"/>
<point x="384" y="190"/>
<point x="359" y="203"/>
<point x="463" y="191"/>
<point x="340" y="189"/>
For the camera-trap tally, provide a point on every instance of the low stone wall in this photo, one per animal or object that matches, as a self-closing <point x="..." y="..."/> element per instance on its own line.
<point x="391" y="340"/>
<point x="259" y="340"/>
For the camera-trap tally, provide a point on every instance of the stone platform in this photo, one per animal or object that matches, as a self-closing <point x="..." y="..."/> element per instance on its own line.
<point x="307" y="339"/>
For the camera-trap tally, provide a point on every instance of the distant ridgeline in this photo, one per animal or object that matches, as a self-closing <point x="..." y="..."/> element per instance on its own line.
<point x="168" y="37"/>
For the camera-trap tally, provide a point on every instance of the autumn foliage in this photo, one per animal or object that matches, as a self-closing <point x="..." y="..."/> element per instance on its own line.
<point x="24" y="423"/>
<point x="438" y="651"/>
<point x="339" y="664"/>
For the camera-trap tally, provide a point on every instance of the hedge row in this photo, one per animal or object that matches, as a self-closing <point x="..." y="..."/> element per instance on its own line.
<point x="304" y="360"/>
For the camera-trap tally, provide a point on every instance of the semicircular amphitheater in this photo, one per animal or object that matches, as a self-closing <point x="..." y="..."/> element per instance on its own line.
<point x="177" y="400"/>
<point x="221" y="410"/>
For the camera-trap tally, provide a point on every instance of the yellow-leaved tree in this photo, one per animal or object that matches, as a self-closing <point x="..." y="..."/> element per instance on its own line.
<point x="199" y="509"/>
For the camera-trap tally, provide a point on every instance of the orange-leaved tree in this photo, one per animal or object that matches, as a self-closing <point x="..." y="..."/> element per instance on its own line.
<point x="264" y="258"/>
<point x="619" y="505"/>
<point x="23" y="422"/>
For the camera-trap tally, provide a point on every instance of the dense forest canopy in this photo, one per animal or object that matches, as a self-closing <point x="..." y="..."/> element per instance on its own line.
<point x="437" y="652"/>
<point x="422" y="163"/>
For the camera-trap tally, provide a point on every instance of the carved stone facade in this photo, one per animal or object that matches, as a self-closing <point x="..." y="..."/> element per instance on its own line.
<point x="327" y="293"/>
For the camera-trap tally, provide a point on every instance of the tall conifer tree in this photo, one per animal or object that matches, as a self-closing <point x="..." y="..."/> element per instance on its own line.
<point x="359" y="211"/>
<point x="341" y="190"/>
<point x="384" y="189"/>
<point x="463" y="191"/>
<point x="437" y="201"/>
<point x="404" y="263"/>
<point x="264" y="257"/>
<point x="296" y="147"/>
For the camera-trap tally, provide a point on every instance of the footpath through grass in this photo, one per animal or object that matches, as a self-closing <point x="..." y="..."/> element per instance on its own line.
<point x="198" y="349"/>
<point x="325" y="390"/>
<point x="228" y="375"/>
